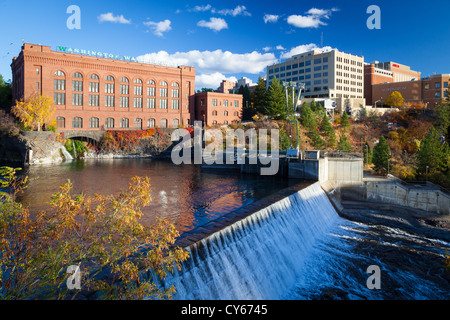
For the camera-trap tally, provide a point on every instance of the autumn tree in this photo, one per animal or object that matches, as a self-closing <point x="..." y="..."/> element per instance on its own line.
<point x="395" y="99"/>
<point x="35" y="111"/>
<point x="442" y="113"/>
<point x="118" y="257"/>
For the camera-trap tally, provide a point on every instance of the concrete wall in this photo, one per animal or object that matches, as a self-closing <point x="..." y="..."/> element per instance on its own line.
<point x="344" y="171"/>
<point x="428" y="199"/>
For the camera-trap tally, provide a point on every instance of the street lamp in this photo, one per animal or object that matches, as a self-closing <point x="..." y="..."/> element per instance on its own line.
<point x="426" y="176"/>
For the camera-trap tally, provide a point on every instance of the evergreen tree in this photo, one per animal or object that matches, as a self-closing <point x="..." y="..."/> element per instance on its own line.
<point x="276" y="100"/>
<point x="344" y="144"/>
<point x="313" y="106"/>
<point x="247" y="108"/>
<point x="317" y="140"/>
<point x="432" y="153"/>
<point x="345" y="123"/>
<point x="442" y="113"/>
<point x="260" y="97"/>
<point x="381" y="154"/>
<point x="307" y="117"/>
<point x="328" y="130"/>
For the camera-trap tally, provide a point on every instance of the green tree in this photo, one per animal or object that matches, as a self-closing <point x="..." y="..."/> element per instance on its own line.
<point x="328" y="131"/>
<point x="102" y="235"/>
<point x="307" y="117"/>
<point x="432" y="153"/>
<point x="345" y="122"/>
<point x="381" y="154"/>
<point x="344" y="144"/>
<point x="395" y="99"/>
<point x="442" y="114"/>
<point x="5" y="94"/>
<point x="247" y="108"/>
<point x="260" y="96"/>
<point x="317" y="141"/>
<point x="276" y="100"/>
<point x="367" y="151"/>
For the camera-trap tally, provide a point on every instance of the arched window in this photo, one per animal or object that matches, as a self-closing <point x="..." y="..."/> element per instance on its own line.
<point x="163" y="91"/>
<point x="138" y="124"/>
<point x="225" y="113"/>
<point x="214" y="113"/>
<point x="151" y="91"/>
<point x="163" y="83"/>
<point x="77" y="122"/>
<point x="109" y="78"/>
<point x="59" y="73"/>
<point x="60" y="122"/>
<point x="124" y="79"/>
<point x="163" y="123"/>
<point x="151" y="123"/>
<point x="151" y="82"/>
<point x="137" y="80"/>
<point x="109" y="123"/>
<point x="93" y="122"/>
<point x="124" y="123"/>
<point x="175" y="84"/>
<point x="77" y="75"/>
<point x="175" y="123"/>
<point x="225" y="122"/>
<point x="94" y="76"/>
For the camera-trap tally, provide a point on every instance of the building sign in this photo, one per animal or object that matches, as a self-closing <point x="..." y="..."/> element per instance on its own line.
<point x="395" y="65"/>
<point x="107" y="55"/>
<point x="393" y="89"/>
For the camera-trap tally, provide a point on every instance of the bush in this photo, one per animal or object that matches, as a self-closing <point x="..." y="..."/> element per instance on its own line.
<point x="100" y="234"/>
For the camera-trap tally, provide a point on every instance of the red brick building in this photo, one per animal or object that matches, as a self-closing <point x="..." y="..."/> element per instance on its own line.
<point x="214" y="108"/>
<point x="94" y="93"/>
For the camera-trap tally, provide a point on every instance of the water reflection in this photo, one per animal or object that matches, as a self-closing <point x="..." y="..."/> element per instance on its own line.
<point x="185" y="195"/>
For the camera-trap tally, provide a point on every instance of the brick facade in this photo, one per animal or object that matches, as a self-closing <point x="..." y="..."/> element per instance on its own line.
<point x="93" y="93"/>
<point x="214" y="108"/>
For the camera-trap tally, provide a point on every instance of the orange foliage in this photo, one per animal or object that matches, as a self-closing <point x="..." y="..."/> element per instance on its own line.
<point x="125" y="140"/>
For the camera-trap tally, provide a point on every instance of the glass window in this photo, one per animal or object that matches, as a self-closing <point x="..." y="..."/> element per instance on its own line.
<point x="317" y="61"/>
<point x="124" y="79"/>
<point x="77" y="85"/>
<point x="175" y="104"/>
<point x="109" y="88"/>
<point x="151" y="91"/>
<point x="445" y="84"/>
<point x="437" y="85"/>
<point x="124" y="89"/>
<point x="77" y="75"/>
<point x="124" y="123"/>
<point x="60" y="84"/>
<point x="124" y="102"/>
<point x="437" y="94"/>
<point x="60" y="98"/>
<point x="163" y="103"/>
<point x="93" y="86"/>
<point x="427" y="86"/>
<point x="151" y="82"/>
<point x="151" y="103"/>
<point x="109" y="101"/>
<point x="138" y="102"/>
<point x="60" y="122"/>
<point x="59" y="73"/>
<point x="93" y="100"/>
<point x="151" y="123"/>
<point x="77" y="122"/>
<point x="137" y="90"/>
<point x="77" y="99"/>
<point x="94" y="76"/>
<point x="325" y="59"/>
<point x="163" y="83"/>
<point x="138" y="124"/>
<point x="163" y="123"/>
<point x="308" y="63"/>
<point x="109" y="78"/>
<point x="175" y="123"/>
<point x="163" y="92"/>
<point x="137" y="81"/>
<point x="109" y="123"/>
<point x="93" y="123"/>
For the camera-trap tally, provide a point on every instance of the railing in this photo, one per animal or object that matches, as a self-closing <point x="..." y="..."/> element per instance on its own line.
<point x="340" y="154"/>
<point x="415" y="184"/>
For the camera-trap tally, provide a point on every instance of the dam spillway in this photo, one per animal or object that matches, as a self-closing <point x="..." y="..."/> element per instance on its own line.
<point x="239" y="261"/>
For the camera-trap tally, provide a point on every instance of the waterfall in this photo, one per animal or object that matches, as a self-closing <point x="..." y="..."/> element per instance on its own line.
<point x="260" y="256"/>
<point x="74" y="149"/>
<point x="66" y="153"/>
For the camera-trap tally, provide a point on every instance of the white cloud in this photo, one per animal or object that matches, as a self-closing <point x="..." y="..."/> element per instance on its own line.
<point x="210" y="62"/>
<point x="312" y="19"/>
<point x="158" y="28"/>
<point x="110" y="17"/>
<point x="304" y="48"/>
<point x="215" y="24"/>
<point x="272" y="18"/>
<point x="212" y="80"/>
<point x="280" y="47"/>
<point x="239" y="10"/>
<point x="267" y="49"/>
<point x="201" y="8"/>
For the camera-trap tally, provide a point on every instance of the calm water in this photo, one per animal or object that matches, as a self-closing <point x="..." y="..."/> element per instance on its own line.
<point x="185" y="195"/>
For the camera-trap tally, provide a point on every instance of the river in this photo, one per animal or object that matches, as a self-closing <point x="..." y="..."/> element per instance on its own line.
<point x="185" y="195"/>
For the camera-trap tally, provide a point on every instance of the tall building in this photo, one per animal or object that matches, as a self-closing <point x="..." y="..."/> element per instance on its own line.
<point x="331" y="78"/>
<point x="331" y="74"/>
<point x="96" y="91"/>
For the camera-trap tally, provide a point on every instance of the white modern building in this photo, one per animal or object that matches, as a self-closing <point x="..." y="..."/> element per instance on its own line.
<point x="327" y="75"/>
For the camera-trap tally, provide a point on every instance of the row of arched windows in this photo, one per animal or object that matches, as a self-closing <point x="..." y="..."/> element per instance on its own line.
<point x="225" y="113"/>
<point x="110" y="123"/>
<point x="94" y="76"/>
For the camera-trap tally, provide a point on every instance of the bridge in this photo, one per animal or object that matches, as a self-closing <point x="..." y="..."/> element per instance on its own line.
<point x="95" y="135"/>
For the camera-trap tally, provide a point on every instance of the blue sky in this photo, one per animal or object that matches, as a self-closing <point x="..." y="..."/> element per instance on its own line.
<point x="231" y="39"/>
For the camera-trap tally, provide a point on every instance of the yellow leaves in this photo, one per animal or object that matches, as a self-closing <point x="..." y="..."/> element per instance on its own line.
<point x="34" y="112"/>
<point x="100" y="232"/>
